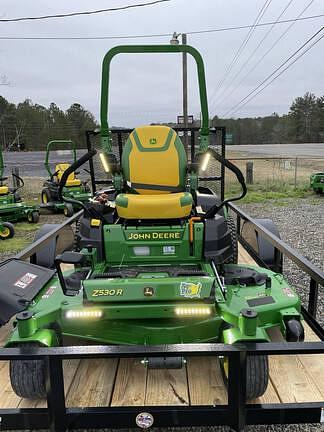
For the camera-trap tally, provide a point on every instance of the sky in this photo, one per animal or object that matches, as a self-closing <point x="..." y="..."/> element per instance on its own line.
<point x="148" y="88"/>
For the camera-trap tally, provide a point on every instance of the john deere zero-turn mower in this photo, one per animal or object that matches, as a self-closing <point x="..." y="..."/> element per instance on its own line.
<point x="317" y="182"/>
<point x="156" y="261"/>
<point x="12" y="208"/>
<point x="74" y="187"/>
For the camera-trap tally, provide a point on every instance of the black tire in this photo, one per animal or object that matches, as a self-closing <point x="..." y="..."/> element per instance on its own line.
<point x="8" y="232"/>
<point x="294" y="331"/>
<point x="46" y="196"/>
<point x="257" y="375"/>
<point x="68" y="210"/>
<point x="28" y="377"/>
<point x="233" y="259"/>
<point x="33" y="216"/>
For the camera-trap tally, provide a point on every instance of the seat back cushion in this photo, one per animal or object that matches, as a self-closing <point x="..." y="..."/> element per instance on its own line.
<point x="71" y="180"/>
<point x="154" y="161"/>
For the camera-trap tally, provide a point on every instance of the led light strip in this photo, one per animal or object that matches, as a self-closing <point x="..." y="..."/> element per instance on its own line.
<point x="192" y="311"/>
<point x="83" y="314"/>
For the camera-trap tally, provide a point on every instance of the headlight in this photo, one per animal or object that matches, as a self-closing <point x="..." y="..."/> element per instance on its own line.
<point x="82" y="314"/>
<point x="193" y="311"/>
<point x="104" y="162"/>
<point x="204" y="161"/>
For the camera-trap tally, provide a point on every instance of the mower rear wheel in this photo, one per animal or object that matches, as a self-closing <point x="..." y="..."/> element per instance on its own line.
<point x="232" y="227"/>
<point x="28" y="377"/>
<point x="68" y="210"/>
<point x="33" y="216"/>
<point x="46" y="196"/>
<point x="257" y="375"/>
<point x="7" y="231"/>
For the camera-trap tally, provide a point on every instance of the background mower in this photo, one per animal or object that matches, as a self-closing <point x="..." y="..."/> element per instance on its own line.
<point x="317" y="182"/>
<point x="74" y="187"/>
<point x="12" y="208"/>
<point x="155" y="260"/>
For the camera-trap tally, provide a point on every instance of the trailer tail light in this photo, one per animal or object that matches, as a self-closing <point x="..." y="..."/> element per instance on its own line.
<point x="83" y="314"/>
<point x="193" y="311"/>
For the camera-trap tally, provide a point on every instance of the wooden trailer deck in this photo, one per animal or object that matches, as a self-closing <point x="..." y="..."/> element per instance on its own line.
<point x="125" y="382"/>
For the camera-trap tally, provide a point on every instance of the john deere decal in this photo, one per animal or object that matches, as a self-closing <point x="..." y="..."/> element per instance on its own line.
<point x="190" y="290"/>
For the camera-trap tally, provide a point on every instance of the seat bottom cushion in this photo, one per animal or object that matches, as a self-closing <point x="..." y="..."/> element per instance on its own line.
<point x="73" y="182"/>
<point x="166" y="206"/>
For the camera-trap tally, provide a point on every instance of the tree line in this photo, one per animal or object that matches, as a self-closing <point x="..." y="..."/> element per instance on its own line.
<point x="29" y="126"/>
<point x="304" y="123"/>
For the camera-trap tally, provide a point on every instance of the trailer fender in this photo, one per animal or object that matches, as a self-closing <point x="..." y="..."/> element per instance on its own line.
<point x="263" y="247"/>
<point x="63" y="241"/>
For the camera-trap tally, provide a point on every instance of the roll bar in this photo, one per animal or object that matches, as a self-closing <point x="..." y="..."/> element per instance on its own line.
<point x="48" y="149"/>
<point x="106" y="141"/>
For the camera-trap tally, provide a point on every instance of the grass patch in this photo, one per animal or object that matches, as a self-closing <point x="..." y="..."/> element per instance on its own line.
<point x="23" y="227"/>
<point x="278" y="193"/>
<point x="14" y="244"/>
<point x="24" y="235"/>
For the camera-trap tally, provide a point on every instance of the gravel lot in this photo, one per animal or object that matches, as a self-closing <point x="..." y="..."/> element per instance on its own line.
<point x="301" y="225"/>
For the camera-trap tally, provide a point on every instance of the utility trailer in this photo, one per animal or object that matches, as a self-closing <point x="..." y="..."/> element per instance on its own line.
<point x="155" y="278"/>
<point x="109" y="386"/>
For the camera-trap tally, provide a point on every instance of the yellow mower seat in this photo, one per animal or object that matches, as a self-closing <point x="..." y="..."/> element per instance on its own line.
<point x="168" y="206"/>
<point x="154" y="167"/>
<point x="4" y="190"/>
<point x="71" y="180"/>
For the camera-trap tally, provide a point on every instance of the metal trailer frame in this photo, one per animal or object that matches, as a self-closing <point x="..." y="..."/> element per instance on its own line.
<point x="57" y="417"/>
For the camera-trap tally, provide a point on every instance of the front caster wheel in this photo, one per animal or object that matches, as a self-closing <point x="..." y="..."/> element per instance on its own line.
<point x="257" y="375"/>
<point x="33" y="216"/>
<point x="27" y="377"/>
<point x="294" y="331"/>
<point x="68" y="210"/>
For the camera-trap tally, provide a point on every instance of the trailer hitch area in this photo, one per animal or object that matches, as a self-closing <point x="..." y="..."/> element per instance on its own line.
<point x="164" y="362"/>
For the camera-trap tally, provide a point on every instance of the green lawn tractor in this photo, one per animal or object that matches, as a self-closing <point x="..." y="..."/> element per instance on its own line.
<point x="74" y="187"/>
<point x="12" y="208"/>
<point x="155" y="261"/>
<point x="317" y="182"/>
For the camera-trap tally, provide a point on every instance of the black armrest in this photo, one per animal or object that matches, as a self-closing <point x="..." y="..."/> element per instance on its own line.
<point x="67" y="257"/>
